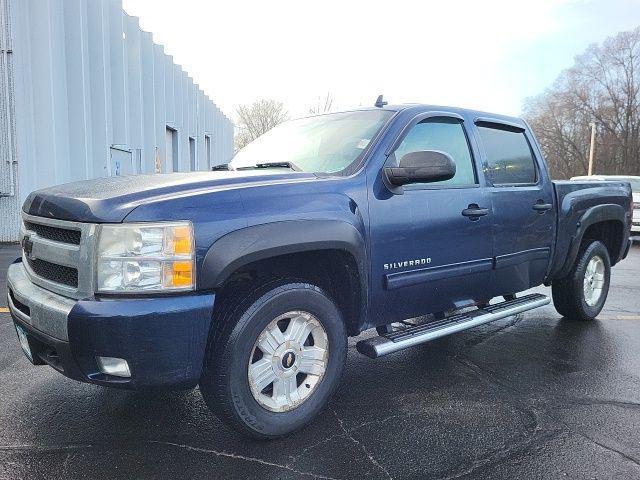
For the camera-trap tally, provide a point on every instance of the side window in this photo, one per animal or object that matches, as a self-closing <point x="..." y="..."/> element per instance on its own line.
<point x="509" y="156"/>
<point x="445" y="135"/>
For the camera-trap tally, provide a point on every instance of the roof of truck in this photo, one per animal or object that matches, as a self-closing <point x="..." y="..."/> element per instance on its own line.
<point x="418" y="108"/>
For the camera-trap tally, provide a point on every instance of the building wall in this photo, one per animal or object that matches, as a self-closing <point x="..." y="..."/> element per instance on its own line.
<point x="85" y="93"/>
<point x="9" y="200"/>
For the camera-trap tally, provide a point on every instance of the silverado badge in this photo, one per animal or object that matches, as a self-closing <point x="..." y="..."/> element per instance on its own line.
<point x="407" y="263"/>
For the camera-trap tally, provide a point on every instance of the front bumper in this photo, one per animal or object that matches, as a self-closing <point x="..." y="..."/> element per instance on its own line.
<point x="162" y="338"/>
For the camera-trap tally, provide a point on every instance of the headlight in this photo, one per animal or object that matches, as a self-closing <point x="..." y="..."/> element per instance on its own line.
<point x="145" y="257"/>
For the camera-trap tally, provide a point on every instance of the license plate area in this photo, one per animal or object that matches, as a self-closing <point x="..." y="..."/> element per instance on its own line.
<point x="36" y="351"/>
<point x="24" y="342"/>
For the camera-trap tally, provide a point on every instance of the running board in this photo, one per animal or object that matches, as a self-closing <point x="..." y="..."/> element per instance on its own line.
<point x="408" y="337"/>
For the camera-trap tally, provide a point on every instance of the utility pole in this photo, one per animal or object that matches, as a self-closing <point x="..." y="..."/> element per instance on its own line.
<point x="592" y="148"/>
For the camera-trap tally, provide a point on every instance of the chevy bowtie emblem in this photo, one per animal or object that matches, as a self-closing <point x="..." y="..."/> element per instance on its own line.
<point x="288" y="359"/>
<point x="27" y="246"/>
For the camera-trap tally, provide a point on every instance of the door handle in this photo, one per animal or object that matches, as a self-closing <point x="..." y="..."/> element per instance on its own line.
<point x="541" y="207"/>
<point x="473" y="212"/>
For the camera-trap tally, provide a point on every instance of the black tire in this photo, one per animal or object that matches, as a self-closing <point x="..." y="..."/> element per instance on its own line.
<point x="568" y="293"/>
<point x="225" y="380"/>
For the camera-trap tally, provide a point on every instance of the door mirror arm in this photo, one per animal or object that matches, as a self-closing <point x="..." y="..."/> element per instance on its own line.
<point x="387" y="178"/>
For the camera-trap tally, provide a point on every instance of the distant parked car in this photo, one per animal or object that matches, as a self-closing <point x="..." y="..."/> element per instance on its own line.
<point x="635" y="187"/>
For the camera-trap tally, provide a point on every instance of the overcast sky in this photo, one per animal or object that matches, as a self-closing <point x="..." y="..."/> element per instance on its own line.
<point x="488" y="54"/>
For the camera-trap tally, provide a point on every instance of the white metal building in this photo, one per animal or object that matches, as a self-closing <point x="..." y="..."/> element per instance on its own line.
<point x="85" y="93"/>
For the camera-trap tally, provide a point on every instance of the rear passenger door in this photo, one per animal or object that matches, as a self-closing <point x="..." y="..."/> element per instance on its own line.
<point x="521" y="196"/>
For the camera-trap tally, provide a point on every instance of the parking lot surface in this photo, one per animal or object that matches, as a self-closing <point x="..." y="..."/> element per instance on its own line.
<point x="531" y="396"/>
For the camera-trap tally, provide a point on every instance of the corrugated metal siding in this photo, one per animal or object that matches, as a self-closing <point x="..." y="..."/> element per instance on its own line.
<point x="9" y="194"/>
<point x="94" y="96"/>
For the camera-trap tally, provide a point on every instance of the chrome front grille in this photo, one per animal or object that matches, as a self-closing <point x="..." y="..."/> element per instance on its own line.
<point x="56" y="273"/>
<point x="58" y="255"/>
<point x="56" y="234"/>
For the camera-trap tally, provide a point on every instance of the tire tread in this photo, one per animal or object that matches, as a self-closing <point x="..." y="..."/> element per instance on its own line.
<point x="235" y="309"/>
<point x="567" y="292"/>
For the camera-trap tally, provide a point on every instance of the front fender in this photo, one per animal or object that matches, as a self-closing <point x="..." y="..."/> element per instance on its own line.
<point x="259" y="242"/>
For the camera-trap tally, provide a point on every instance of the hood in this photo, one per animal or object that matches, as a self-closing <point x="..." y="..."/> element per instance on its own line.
<point x="111" y="199"/>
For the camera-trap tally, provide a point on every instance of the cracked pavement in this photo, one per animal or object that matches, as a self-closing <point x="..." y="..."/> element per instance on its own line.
<point x="532" y="396"/>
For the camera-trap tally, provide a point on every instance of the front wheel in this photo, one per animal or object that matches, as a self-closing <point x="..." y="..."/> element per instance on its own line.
<point x="275" y="359"/>
<point x="581" y="295"/>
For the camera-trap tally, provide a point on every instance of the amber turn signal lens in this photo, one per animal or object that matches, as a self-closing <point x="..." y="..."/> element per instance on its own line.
<point x="182" y="240"/>
<point x="178" y="274"/>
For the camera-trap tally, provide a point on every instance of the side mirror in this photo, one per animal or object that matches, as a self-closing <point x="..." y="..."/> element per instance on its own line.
<point x="421" y="167"/>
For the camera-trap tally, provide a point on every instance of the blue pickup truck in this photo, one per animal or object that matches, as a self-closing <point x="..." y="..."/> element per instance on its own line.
<point x="249" y="279"/>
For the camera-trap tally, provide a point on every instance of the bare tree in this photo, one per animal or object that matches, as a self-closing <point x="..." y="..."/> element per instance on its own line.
<point x="603" y="86"/>
<point x="256" y="119"/>
<point x="323" y="106"/>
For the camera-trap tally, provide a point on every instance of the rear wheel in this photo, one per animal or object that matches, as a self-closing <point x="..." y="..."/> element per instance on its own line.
<point x="582" y="294"/>
<point x="275" y="359"/>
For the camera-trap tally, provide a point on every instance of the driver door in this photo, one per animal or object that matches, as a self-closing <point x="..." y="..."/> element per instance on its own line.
<point x="428" y="254"/>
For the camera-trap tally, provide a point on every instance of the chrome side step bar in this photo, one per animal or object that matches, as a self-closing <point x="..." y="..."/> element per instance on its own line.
<point x="408" y="337"/>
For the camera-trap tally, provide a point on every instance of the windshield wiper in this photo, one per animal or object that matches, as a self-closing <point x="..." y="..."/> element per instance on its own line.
<point x="227" y="166"/>
<point x="290" y="165"/>
<point x="222" y="166"/>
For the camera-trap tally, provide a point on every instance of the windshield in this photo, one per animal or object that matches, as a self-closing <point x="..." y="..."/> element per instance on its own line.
<point x="320" y="144"/>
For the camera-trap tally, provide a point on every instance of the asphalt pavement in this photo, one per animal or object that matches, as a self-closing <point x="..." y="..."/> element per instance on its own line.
<point x="531" y="396"/>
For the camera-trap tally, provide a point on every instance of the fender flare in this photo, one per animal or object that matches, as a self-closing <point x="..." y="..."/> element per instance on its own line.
<point x="593" y="215"/>
<point x="259" y="242"/>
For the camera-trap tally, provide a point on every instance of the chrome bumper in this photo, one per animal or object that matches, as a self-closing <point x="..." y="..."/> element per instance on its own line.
<point x="48" y="311"/>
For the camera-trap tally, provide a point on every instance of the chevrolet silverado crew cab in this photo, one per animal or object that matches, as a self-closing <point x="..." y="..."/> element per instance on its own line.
<point x="249" y="279"/>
